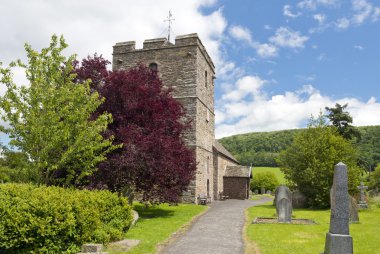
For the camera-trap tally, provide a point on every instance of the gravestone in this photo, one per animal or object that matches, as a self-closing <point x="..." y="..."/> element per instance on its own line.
<point x="269" y="192"/>
<point x="283" y="204"/>
<point x="299" y="200"/>
<point x="262" y="191"/>
<point x="362" y="203"/>
<point x="91" y="248"/>
<point x="354" y="214"/>
<point x="338" y="239"/>
<point x="256" y="192"/>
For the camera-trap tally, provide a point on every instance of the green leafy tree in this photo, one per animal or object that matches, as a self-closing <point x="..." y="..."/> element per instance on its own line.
<point x="51" y="121"/>
<point x="267" y="180"/>
<point x="374" y="182"/>
<point x="308" y="164"/>
<point x="342" y="120"/>
<point x="14" y="167"/>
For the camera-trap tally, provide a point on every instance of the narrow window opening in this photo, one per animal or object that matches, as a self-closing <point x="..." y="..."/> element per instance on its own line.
<point x="206" y="78"/>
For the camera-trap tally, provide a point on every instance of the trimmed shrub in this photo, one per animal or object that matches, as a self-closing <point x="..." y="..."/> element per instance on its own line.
<point x="267" y="180"/>
<point x="41" y="219"/>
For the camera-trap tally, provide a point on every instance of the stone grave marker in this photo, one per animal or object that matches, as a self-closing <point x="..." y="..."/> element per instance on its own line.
<point x="256" y="192"/>
<point x="262" y="191"/>
<point x="269" y="192"/>
<point x="284" y="204"/>
<point x="354" y="214"/>
<point x="299" y="200"/>
<point x="362" y="203"/>
<point x="338" y="239"/>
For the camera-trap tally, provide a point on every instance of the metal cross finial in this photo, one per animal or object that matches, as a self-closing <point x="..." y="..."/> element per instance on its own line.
<point x="169" y="20"/>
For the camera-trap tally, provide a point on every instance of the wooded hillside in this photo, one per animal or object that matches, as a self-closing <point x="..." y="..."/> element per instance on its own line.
<point x="261" y="148"/>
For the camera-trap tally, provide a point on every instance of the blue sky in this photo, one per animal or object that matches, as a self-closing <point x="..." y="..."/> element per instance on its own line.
<point x="277" y="62"/>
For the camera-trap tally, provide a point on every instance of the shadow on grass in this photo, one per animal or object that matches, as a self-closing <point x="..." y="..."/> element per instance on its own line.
<point x="152" y="212"/>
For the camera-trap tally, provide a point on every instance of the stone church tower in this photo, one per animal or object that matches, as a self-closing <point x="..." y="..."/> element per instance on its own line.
<point x="188" y="69"/>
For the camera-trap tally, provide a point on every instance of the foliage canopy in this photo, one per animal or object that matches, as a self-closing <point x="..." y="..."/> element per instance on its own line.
<point x="308" y="164"/>
<point x="267" y="180"/>
<point x="149" y="123"/>
<point x="51" y="120"/>
<point x="342" y="121"/>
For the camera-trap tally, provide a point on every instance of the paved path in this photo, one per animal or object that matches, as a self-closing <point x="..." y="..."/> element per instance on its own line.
<point x="218" y="231"/>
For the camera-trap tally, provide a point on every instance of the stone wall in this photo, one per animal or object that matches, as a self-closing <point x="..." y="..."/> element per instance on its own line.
<point x="187" y="68"/>
<point x="220" y="164"/>
<point x="236" y="187"/>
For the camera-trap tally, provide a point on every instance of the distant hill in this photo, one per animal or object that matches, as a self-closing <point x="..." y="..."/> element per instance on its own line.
<point x="261" y="148"/>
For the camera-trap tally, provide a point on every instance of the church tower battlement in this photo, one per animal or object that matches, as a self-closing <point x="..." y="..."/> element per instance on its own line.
<point x="186" y="67"/>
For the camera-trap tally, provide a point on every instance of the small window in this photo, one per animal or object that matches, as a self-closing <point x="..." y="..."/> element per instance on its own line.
<point x="153" y="67"/>
<point x="205" y="78"/>
<point x="207" y="116"/>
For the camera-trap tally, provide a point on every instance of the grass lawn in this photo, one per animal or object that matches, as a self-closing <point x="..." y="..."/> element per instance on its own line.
<point x="276" y="171"/>
<point x="156" y="224"/>
<point x="289" y="239"/>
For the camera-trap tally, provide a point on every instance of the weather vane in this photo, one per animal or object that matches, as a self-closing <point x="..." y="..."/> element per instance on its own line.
<point x="169" y="19"/>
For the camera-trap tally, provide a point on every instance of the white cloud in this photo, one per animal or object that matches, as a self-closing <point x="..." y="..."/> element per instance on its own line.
<point x="284" y="37"/>
<point x="266" y="50"/>
<point x="246" y="86"/>
<point x="320" y="18"/>
<point x="358" y="47"/>
<point x="363" y="10"/>
<point x="241" y="33"/>
<point x="376" y="14"/>
<point x="313" y="4"/>
<point x="342" y="23"/>
<point x="267" y="27"/>
<point x="92" y="26"/>
<point x="288" y="13"/>
<point x="364" y="113"/>
<point x="286" y="111"/>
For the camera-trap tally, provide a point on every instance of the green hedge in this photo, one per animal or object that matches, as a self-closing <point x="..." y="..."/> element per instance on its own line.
<point x="57" y="220"/>
<point x="267" y="180"/>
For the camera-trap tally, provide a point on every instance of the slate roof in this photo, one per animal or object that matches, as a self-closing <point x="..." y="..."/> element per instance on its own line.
<point x="220" y="148"/>
<point x="238" y="171"/>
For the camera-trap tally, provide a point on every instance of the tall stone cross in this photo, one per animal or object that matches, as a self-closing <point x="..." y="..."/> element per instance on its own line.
<point x="362" y="202"/>
<point x="338" y="239"/>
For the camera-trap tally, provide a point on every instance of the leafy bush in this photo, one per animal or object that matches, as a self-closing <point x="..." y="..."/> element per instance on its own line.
<point x="375" y="178"/>
<point x="265" y="180"/>
<point x="57" y="220"/>
<point x="308" y="164"/>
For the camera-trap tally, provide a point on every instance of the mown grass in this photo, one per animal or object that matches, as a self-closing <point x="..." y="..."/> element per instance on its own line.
<point x="156" y="224"/>
<point x="294" y="239"/>
<point x="279" y="175"/>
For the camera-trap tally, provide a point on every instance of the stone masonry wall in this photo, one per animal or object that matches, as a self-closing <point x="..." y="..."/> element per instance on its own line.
<point x="220" y="165"/>
<point x="183" y="67"/>
<point x="236" y="187"/>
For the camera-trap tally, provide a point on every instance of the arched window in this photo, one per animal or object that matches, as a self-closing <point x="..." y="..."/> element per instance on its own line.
<point x="153" y="66"/>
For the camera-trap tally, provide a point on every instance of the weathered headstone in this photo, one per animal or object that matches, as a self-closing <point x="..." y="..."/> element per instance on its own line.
<point x="256" y="192"/>
<point x="284" y="204"/>
<point x="299" y="200"/>
<point x="362" y="203"/>
<point x="269" y="192"/>
<point x="338" y="239"/>
<point x="262" y="191"/>
<point x="91" y="248"/>
<point x="354" y="214"/>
